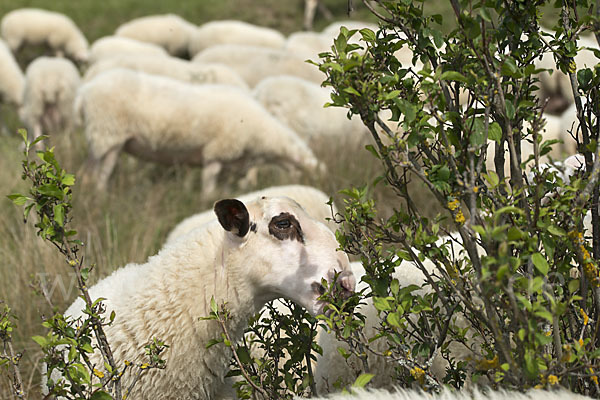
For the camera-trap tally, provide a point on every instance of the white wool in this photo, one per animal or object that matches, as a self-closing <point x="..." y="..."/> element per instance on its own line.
<point x="307" y="45"/>
<point x="165" y="120"/>
<point x="300" y="104"/>
<point x="172" y="67"/>
<point x="234" y="32"/>
<point x="447" y="394"/>
<point x="50" y="88"/>
<point x="311" y="199"/>
<point x="12" y="80"/>
<point x="169" y="31"/>
<point x="553" y="130"/>
<point x="115" y="46"/>
<point x="37" y="26"/>
<point x="255" y="63"/>
<point x="165" y="297"/>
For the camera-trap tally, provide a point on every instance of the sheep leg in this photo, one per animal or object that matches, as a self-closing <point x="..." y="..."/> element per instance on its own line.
<point x="36" y="133"/>
<point x="250" y="180"/>
<point x="98" y="171"/>
<point x="210" y="173"/>
<point x="310" y="7"/>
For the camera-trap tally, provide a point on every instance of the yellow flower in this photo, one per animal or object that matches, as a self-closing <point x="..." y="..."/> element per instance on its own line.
<point x="552" y="379"/>
<point x="586" y="319"/>
<point x="594" y="378"/>
<point x="580" y="341"/>
<point x="453" y="205"/>
<point x="572" y="67"/>
<point x="459" y="218"/>
<point x="485" y="364"/>
<point x="144" y="365"/>
<point x="418" y="374"/>
<point x="98" y="373"/>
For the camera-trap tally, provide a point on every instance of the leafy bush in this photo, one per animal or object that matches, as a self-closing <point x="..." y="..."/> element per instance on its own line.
<point x="510" y="268"/>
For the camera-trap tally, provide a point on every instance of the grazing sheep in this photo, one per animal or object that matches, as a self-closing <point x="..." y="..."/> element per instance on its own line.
<point x="116" y="46"/>
<point x="234" y="32"/>
<point x="447" y="394"/>
<point x="251" y="254"/>
<point x="300" y="104"/>
<point x="172" y="67"/>
<point x="557" y="86"/>
<point x="36" y="26"/>
<point x="311" y="199"/>
<point x="12" y="80"/>
<point x="50" y="88"/>
<point x="255" y="63"/>
<point x="168" y="121"/>
<point x="169" y="31"/>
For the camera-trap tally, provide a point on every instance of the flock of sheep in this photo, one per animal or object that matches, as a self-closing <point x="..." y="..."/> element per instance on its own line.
<point x="224" y="95"/>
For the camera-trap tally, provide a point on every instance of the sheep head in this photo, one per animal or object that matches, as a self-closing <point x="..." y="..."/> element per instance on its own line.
<point x="283" y="251"/>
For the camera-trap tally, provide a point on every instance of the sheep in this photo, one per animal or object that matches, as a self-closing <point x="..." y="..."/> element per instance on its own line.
<point x="255" y="63"/>
<point x="12" y="79"/>
<point x="168" y="121"/>
<point x="115" y="46"/>
<point x="169" y="31"/>
<point x="251" y="254"/>
<point x="300" y="104"/>
<point x="170" y="66"/>
<point x="446" y="394"/>
<point x="36" y="26"/>
<point x="311" y="199"/>
<point x="557" y="87"/>
<point x="234" y="32"/>
<point x="50" y="88"/>
<point x="307" y="45"/>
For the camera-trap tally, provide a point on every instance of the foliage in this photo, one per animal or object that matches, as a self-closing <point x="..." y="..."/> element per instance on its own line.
<point x="517" y="282"/>
<point x="69" y="346"/>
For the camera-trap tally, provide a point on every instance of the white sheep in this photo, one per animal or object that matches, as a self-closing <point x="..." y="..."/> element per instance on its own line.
<point x="168" y="121"/>
<point x="234" y="32"/>
<point x="255" y="63"/>
<point x="557" y="86"/>
<point x="311" y="199"/>
<point x="50" y="87"/>
<point x="447" y="394"/>
<point x="36" y="26"/>
<point x="251" y="254"/>
<point x="172" y="67"/>
<point x="169" y="31"/>
<point x="300" y="104"/>
<point x="12" y="79"/>
<point x="307" y="45"/>
<point x="116" y="46"/>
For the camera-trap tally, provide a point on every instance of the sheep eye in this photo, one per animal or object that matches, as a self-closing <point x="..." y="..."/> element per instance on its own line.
<point x="283" y="224"/>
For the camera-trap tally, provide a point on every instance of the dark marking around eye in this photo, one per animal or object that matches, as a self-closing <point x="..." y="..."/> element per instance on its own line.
<point x="253" y="227"/>
<point x="286" y="226"/>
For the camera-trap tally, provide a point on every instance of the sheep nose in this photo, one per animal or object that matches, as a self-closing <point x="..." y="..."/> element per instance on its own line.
<point x="345" y="281"/>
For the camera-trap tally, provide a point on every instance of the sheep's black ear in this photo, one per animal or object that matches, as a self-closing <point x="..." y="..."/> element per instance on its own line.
<point x="233" y="216"/>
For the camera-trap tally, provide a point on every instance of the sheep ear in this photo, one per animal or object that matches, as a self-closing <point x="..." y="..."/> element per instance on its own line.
<point x="233" y="216"/>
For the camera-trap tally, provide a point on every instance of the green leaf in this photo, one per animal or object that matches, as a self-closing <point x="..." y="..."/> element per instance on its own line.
<point x="407" y="108"/>
<point x="574" y="285"/>
<point x="351" y="90"/>
<point x="367" y="35"/>
<point x="101" y="395"/>
<point x="381" y="304"/>
<point x="18" y="199"/>
<point x="40" y="340"/>
<point x="243" y="355"/>
<point x="453" y="76"/>
<point x="362" y="380"/>
<point x="372" y="150"/>
<point x="540" y="263"/>
<point x="68" y="180"/>
<point x="59" y="214"/>
<point x="51" y="190"/>
<point x="510" y="109"/>
<point x="213" y="305"/>
<point x="495" y="132"/>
